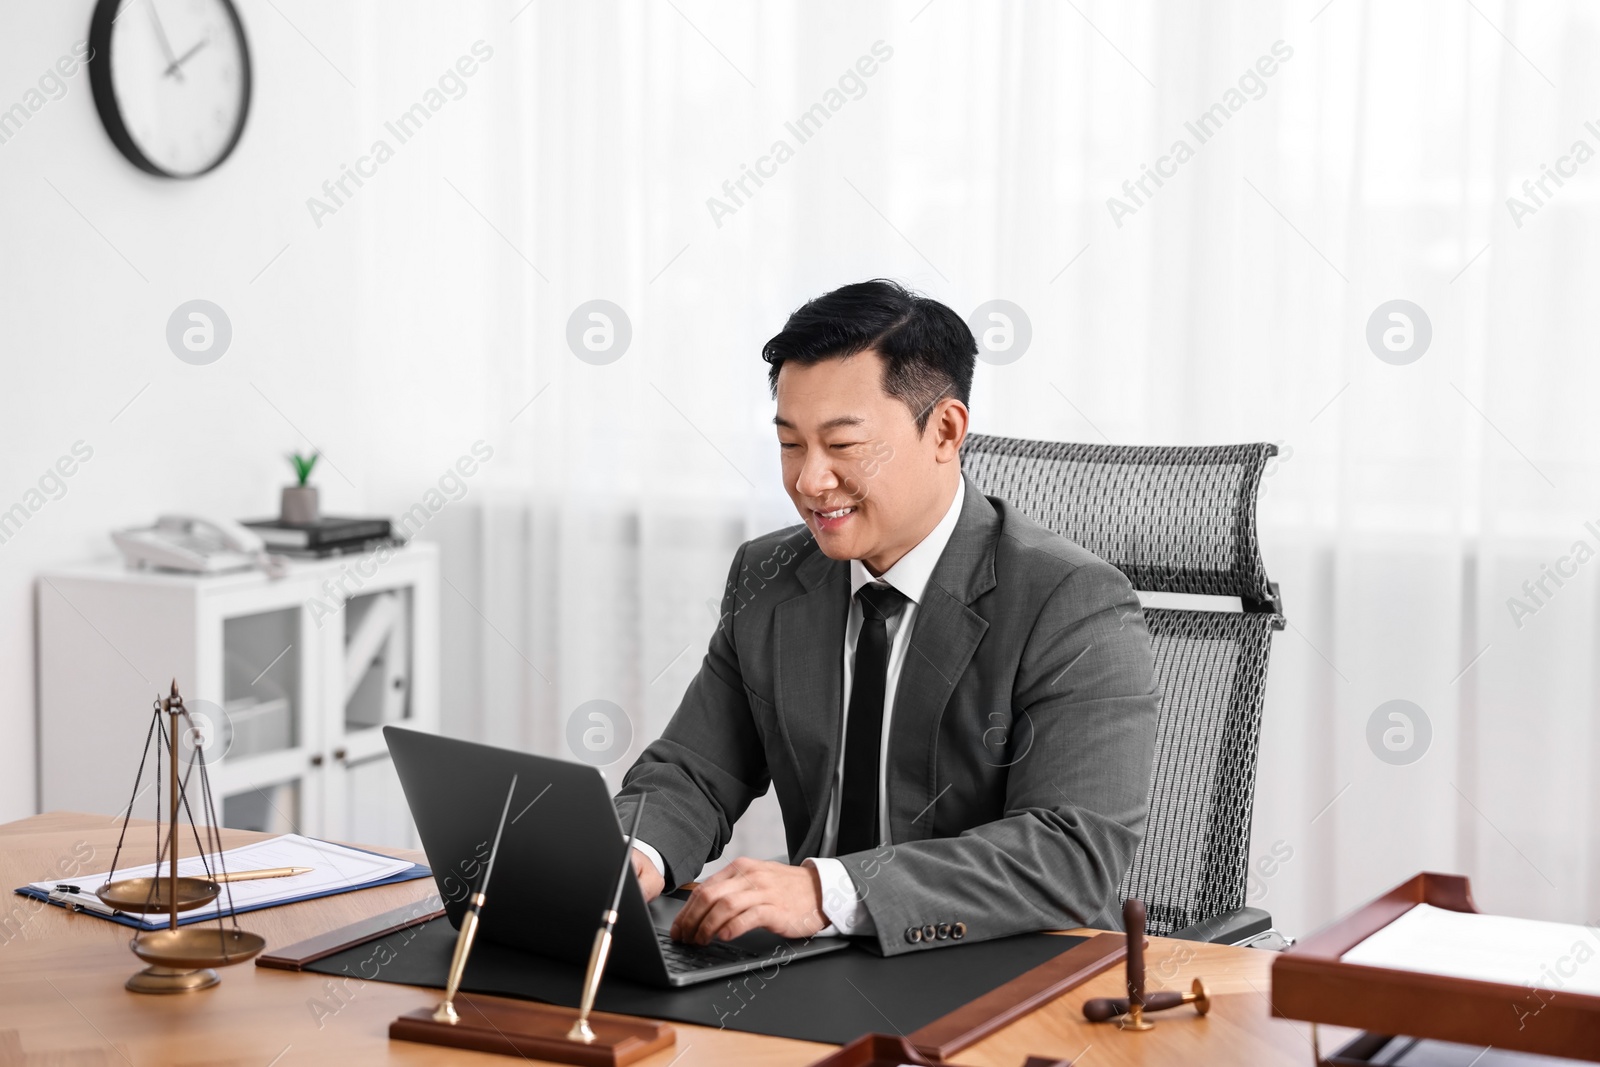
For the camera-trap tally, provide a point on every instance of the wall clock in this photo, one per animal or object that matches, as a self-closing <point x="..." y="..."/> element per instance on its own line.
<point x="171" y="81"/>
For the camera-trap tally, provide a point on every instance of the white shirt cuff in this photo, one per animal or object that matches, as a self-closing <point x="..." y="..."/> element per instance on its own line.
<point x="846" y="912"/>
<point x="655" y="858"/>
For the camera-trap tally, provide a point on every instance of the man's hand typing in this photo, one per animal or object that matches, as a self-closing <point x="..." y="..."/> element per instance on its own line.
<point x="750" y="895"/>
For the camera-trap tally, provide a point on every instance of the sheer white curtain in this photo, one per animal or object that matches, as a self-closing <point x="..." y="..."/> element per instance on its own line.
<point x="1365" y="158"/>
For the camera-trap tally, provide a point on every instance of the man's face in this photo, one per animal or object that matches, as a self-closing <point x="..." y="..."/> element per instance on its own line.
<point x="863" y="479"/>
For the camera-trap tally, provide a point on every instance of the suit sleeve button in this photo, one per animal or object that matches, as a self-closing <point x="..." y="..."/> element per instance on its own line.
<point x="958" y="931"/>
<point x="913" y="934"/>
<point x="929" y="932"/>
<point x="944" y="931"/>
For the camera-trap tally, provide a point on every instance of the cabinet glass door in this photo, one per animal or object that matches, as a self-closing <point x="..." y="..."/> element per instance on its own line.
<point x="261" y="665"/>
<point x="377" y="660"/>
<point x="364" y="794"/>
<point x="272" y="808"/>
<point x="266" y="747"/>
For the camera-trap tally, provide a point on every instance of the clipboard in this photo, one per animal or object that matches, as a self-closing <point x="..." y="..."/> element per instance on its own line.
<point x="1312" y="982"/>
<point x="415" y="871"/>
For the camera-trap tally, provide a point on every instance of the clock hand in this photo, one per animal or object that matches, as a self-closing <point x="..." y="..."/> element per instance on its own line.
<point x="161" y="35"/>
<point x="176" y="66"/>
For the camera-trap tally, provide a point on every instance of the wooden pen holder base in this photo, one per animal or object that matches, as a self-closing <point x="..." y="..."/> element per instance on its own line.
<point x="535" y="1031"/>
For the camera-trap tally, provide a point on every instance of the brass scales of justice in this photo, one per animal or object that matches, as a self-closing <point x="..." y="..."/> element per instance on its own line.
<point x="180" y="958"/>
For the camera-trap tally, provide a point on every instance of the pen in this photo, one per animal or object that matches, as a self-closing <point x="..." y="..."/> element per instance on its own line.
<point x="270" y="872"/>
<point x="581" y="1030"/>
<point x="446" y="1011"/>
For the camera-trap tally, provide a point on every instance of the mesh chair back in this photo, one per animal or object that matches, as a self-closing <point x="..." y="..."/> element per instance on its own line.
<point x="1173" y="520"/>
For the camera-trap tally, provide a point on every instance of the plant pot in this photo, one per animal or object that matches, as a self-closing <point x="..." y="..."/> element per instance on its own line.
<point x="299" y="506"/>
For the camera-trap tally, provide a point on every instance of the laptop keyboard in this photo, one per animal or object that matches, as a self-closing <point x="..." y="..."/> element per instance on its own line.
<point x="682" y="957"/>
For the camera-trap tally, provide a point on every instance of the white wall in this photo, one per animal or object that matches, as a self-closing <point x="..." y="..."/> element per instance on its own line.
<point x="352" y="337"/>
<point x="1410" y="503"/>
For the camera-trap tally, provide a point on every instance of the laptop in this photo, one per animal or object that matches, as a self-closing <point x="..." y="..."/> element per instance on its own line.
<point x="557" y="866"/>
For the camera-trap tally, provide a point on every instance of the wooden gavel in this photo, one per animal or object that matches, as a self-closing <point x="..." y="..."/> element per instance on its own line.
<point x="1137" y="1002"/>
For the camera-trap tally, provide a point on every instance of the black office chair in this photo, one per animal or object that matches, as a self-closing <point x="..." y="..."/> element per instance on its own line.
<point x="1174" y="520"/>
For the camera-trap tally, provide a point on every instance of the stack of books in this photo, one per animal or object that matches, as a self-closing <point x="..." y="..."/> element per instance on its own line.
<point x="330" y="535"/>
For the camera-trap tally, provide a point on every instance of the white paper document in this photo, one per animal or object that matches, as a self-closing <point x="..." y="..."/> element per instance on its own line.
<point x="333" y="867"/>
<point x="1560" y="957"/>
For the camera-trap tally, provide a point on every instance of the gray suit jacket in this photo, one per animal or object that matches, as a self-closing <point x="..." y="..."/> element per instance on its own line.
<point x="1020" y="749"/>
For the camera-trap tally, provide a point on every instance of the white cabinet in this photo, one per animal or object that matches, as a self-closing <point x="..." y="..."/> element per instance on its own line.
<point x="293" y="677"/>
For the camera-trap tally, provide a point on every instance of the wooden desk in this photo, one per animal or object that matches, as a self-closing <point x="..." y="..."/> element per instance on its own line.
<point x="62" y="1000"/>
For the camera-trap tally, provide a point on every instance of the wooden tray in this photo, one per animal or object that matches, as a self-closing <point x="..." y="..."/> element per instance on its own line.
<point x="1311" y="982"/>
<point x="876" y="1050"/>
<point x="1366" y="1050"/>
<point x="882" y="1050"/>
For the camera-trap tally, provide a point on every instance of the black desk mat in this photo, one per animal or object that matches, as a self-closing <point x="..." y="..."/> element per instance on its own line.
<point x="833" y="998"/>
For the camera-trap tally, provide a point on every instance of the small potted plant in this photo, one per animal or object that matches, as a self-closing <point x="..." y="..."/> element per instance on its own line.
<point x="299" y="506"/>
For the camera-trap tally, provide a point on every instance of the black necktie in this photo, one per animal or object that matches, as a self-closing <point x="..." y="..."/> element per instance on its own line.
<point x="863" y="737"/>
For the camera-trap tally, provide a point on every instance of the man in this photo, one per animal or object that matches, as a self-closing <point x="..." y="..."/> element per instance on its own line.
<point x="956" y="707"/>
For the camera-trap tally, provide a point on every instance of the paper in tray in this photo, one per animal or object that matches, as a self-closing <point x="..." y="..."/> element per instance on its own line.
<point x="1314" y="982"/>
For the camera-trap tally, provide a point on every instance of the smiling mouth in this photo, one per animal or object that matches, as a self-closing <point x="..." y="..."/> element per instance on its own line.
<point x="829" y="521"/>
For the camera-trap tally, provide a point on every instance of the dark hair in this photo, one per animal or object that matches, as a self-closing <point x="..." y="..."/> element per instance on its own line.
<point x="929" y="351"/>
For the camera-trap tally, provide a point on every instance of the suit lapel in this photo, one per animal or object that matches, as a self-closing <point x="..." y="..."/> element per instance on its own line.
<point x="809" y="687"/>
<point x="809" y="680"/>
<point x="944" y="635"/>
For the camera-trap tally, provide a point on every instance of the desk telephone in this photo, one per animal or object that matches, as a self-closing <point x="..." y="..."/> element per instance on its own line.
<point x="196" y="545"/>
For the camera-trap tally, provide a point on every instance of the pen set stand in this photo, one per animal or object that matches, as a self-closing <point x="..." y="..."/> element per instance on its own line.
<point x="527" y="1029"/>
<point x="180" y="959"/>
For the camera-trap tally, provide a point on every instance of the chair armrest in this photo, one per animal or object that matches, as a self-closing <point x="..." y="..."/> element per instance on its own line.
<point x="1228" y="927"/>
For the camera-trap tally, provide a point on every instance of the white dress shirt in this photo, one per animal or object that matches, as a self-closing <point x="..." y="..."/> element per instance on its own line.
<point x="845" y="911"/>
